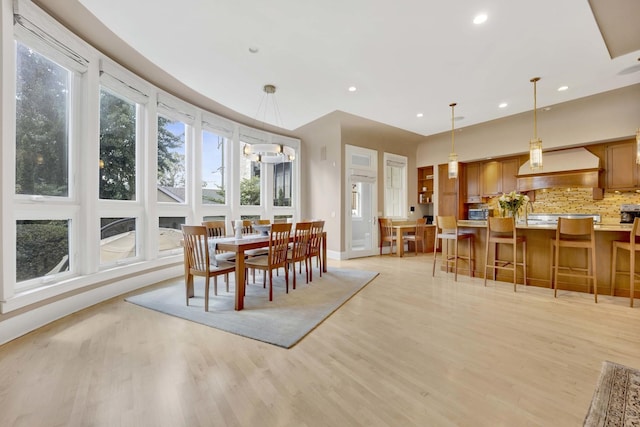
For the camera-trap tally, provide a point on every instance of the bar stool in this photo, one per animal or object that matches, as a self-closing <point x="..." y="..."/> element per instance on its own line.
<point x="574" y="233"/>
<point x="503" y="231"/>
<point x="447" y="230"/>
<point x="633" y="248"/>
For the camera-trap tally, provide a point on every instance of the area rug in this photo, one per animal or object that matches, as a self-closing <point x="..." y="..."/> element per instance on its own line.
<point x="616" y="400"/>
<point x="282" y="322"/>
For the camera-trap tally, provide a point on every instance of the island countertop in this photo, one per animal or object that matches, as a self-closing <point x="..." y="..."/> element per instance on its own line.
<point x="539" y="238"/>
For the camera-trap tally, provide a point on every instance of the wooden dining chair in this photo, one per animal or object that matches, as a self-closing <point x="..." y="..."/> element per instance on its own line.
<point x="446" y="231"/>
<point x="299" y="248"/>
<point x="418" y="237"/>
<point x="263" y="221"/>
<point x="387" y="234"/>
<point x="501" y="231"/>
<point x="633" y="247"/>
<point x="315" y="247"/>
<point x="574" y="233"/>
<point x="196" y="247"/>
<point x="217" y="228"/>
<point x="276" y="257"/>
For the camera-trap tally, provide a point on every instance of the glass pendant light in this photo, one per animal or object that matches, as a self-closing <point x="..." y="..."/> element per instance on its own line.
<point x="535" y="145"/>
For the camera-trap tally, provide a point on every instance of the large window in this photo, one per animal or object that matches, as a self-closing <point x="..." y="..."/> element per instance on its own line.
<point x="42" y="248"/>
<point x="395" y="186"/>
<point x="249" y="180"/>
<point x="117" y="147"/>
<point x="282" y="184"/>
<point x="171" y="160"/>
<point x="43" y="90"/>
<point x="214" y="182"/>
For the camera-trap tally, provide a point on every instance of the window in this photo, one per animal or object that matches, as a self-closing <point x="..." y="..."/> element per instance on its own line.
<point x="117" y="147"/>
<point x="42" y="248"/>
<point x="282" y="183"/>
<point x="395" y="186"/>
<point x="214" y="182"/>
<point x="249" y="180"/>
<point x="118" y="240"/>
<point x="43" y="91"/>
<point x="171" y="160"/>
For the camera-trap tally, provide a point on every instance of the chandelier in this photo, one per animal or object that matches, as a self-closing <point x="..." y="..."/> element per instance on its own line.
<point x="268" y="152"/>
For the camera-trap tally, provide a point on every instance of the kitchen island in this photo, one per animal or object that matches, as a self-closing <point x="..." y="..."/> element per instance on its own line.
<point x="538" y="256"/>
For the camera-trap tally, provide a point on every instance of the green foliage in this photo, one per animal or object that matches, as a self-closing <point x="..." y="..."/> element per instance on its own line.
<point x="40" y="246"/>
<point x="41" y="125"/>
<point x="170" y="164"/>
<point x="250" y="191"/>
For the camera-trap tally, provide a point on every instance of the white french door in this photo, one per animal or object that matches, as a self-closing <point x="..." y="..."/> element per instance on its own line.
<point x="361" y="202"/>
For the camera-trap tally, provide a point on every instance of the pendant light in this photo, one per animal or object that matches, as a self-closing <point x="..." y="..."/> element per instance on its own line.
<point x="535" y="145"/>
<point x="269" y="153"/>
<point x="453" y="157"/>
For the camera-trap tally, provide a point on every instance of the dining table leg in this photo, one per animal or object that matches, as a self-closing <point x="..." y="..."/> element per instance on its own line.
<point x="399" y="243"/>
<point x="323" y="261"/>
<point x="240" y="280"/>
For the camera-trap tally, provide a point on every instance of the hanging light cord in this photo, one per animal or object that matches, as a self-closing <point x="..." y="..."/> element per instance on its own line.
<point x="452" y="105"/>
<point x="535" y="109"/>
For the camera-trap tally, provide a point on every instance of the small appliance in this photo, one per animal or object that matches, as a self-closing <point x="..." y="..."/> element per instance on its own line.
<point x="628" y="213"/>
<point x="480" y="214"/>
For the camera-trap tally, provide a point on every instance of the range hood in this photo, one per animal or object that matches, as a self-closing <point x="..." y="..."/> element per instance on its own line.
<point x="572" y="168"/>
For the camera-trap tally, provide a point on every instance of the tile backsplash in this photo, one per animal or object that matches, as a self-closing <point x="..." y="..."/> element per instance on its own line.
<point x="578" y="200"/>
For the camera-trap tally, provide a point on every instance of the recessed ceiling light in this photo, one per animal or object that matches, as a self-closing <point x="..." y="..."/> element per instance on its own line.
<point x="352" y="89"/>
<point x="563" y="88"/>
<point x="254" y="49"/>
<point x="419" y="115"/>
<point x="480" y="19"/>
<point x="458" y="118"/>
<point x="503" y="105"/>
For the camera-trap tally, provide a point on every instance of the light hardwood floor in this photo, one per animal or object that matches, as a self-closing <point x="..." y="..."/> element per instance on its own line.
<point x="408" y="350"/>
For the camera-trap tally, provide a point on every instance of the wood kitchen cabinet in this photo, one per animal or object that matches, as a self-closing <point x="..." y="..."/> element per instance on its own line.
<point x="425" y="185"/>
<point x="449" y="202"/>
<point x="510" y="169"/>
<point x="491" y="178"/>
<point x="622" y="170"/>
<point x="472" y="177"/>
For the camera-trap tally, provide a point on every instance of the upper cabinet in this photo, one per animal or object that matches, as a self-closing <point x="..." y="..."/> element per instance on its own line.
<point x="622" y="170"/>
<point x="425" y="184"/>
<point x="473" y="194"/>
<point x="490" y="178"/>
<point x="491" y="174"/>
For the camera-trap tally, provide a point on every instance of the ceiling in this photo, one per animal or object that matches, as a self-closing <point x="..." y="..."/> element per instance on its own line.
<point x="404" y="57"/>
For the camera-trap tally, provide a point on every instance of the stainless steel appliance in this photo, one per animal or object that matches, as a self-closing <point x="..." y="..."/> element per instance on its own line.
<point x="628" y="213"/>
<point x="480" y="214"/>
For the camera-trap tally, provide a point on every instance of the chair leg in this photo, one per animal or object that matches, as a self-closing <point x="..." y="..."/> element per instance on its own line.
<point x="595" y="275"/>
<point x="614" y="251"/>
<point x="455" y="261"/>
<point x="206" y="293"/>
<point x="515" y="264"/>
<point x="486" y="261"/>
<point x="555" y="272"/>
<point x="270" y="283"/>
<point x="524" y="262"/>
<point x="632" y="275"/>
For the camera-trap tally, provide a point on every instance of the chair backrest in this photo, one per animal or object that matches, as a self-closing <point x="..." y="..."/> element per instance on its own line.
<point x="386" y="227"/>
<point x="317" y="228"/>
<point x="301" y="236"/>
<point x="575" y="226"/>
<point x="447" y="224"/>
<point x="247" y="226"/>
<point x="263" y="221"/>
<point x="196" y="247"/>
<point x="501" y="224"/>
<point x="420" y="226"/>
<point x="279" y="243"/>
<point x="216" y="228"/>
<point x="635" y="233"/>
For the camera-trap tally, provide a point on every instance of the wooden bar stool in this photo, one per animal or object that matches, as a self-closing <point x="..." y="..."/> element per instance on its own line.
<point x="574" y="233"/>
<point x="503" y="231"/>
<point x="447" y="230"/>
<point x="633" y="248"/>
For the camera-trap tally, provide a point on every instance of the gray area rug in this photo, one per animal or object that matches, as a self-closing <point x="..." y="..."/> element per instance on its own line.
<point x="616" y="400"/>
<point x="282" y="322"/>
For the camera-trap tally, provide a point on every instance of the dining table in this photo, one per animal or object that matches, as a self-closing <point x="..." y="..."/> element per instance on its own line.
<point x="248" y="242"/>
<point x="400" y="230"/>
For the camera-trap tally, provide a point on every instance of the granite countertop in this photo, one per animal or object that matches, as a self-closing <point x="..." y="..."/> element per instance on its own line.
<point x="522" y="225"/>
